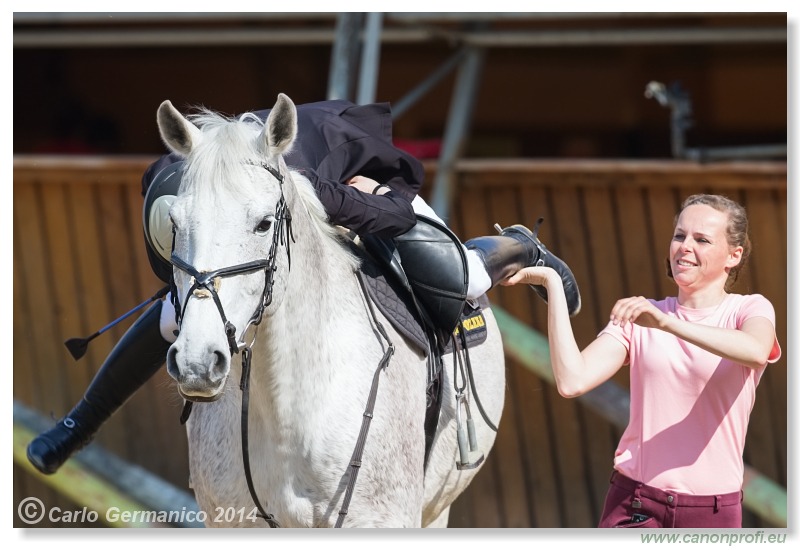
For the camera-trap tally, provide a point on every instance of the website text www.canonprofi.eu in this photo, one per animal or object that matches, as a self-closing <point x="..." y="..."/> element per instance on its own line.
<point x="730" y="539"/>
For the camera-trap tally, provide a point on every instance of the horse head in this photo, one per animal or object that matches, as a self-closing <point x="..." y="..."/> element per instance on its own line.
<point x="232" y="228"/>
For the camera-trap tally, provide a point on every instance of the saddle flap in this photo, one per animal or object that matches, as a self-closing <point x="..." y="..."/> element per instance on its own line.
<point x="435" y="264"/>
<point x="395" y="299"/>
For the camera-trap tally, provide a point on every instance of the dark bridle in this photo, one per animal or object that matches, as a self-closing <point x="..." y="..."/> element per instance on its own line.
<point x="205" y="280"/>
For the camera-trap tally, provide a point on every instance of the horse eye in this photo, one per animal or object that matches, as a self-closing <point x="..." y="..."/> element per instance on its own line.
<point x="263" y="226"/>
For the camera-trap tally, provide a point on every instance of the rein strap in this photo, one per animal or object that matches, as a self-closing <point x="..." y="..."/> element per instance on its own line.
<point x="355" y="460"/>
<point x="244" y="385"/>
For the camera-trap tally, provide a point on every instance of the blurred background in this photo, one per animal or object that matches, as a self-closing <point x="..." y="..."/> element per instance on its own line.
<point x="602" y="123"/>
<point x="550" y="85"/>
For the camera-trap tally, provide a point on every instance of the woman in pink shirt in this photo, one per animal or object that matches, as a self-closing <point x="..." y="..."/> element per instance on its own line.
<point x="695" y="361"/>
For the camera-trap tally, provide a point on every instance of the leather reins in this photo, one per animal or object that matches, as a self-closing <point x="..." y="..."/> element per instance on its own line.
<point x="206" y="280"/>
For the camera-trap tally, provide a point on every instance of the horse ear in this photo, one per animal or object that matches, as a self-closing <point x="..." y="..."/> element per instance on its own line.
<point x="178" y="134"/>
<point x="281" y="126"/>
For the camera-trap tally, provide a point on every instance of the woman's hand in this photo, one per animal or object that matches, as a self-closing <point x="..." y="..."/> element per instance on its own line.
<point x="638" y="310"/>
<point x="367" y="185"/>
<point x="750" y="345"/>
<point x="531" y="276"/>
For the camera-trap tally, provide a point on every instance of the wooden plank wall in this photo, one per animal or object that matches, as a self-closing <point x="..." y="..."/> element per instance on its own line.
<point x="79" y="261"/>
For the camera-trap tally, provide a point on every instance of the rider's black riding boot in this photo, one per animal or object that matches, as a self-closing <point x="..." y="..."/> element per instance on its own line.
<point x="517" y="247"/>
<point x="137" y="356"/>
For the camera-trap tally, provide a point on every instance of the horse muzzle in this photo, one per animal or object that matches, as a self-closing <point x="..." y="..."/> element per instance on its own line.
<point x="203" y="378"/>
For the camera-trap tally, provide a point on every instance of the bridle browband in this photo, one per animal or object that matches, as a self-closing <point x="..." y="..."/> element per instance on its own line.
<point x="205" y="280"/>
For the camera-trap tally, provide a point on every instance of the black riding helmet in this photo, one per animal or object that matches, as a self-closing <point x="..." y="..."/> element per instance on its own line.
<point x="155" y="218"/>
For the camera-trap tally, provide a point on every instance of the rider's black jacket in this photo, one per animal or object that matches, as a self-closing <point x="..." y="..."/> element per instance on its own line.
<point x="337" y="140"/>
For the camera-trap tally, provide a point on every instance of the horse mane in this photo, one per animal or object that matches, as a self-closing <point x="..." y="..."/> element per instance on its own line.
<point x="310" y="200"/>
<point x="231" y="147"/>
<point x="220" y="161"/>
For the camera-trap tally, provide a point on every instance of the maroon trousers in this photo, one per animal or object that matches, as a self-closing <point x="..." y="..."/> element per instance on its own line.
<point x="633" y="504"/>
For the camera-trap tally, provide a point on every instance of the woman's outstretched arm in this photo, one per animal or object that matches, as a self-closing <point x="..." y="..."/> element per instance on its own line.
<point x="576" y="371"/>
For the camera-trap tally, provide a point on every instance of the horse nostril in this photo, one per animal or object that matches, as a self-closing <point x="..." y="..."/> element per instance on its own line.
<point x="172" y="363"/>
<point x="220" y="363"/>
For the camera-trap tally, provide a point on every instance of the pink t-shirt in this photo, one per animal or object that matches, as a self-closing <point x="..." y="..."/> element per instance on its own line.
<point x="689" y="408"/>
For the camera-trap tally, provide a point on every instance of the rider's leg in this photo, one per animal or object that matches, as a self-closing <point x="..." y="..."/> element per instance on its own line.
<point x="494" y="258"/>
<point x="142" y="349"/>
<point x="478" y="280"/>
<point x="134" y="360"/>
<point x="518" y="247"/>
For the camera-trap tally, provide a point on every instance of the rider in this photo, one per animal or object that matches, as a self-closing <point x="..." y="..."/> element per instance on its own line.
<point x="365" y="184"/>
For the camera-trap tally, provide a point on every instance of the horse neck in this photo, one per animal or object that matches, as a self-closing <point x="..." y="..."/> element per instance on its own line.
<point x="320" y="317"/>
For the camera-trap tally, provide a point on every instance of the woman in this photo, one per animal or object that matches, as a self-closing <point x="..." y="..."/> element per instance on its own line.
<point x="695" y="361"/>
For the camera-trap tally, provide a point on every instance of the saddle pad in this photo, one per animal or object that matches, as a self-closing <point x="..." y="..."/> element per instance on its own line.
<point x="397" y="306"/>
<point x="474" y="324"/>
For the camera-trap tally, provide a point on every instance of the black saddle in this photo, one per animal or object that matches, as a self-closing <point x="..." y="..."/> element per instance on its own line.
<point x="419" y="282"/>
<point x="410" y="317"/>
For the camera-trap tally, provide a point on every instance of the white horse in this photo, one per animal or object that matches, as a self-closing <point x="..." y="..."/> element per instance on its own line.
<point x="315" y="348"/>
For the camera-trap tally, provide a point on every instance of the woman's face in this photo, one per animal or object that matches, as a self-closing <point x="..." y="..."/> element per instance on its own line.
<point x="699" y="253"/>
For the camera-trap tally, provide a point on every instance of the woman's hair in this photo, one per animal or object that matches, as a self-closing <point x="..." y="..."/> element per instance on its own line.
<point x="736" y="232"/>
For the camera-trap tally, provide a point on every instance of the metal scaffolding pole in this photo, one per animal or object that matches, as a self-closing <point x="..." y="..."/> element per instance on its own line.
<point x="344" y="56"/>
<point x="678" y="101"/>
<point x="458" y="121"/>
<point x="408" y="100"/>
<point x="370" y="59"/>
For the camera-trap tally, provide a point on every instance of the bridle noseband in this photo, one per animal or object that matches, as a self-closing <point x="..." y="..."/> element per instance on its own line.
<point x="206" y="280"/>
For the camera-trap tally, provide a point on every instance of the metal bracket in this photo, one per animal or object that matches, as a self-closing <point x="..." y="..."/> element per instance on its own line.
<point x="678" y="101"/>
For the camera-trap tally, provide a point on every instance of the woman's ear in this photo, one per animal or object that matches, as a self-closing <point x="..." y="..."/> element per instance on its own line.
<point x="734" y="257"/>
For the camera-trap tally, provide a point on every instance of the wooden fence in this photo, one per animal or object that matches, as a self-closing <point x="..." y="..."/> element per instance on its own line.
<point x="79" y="261"/>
